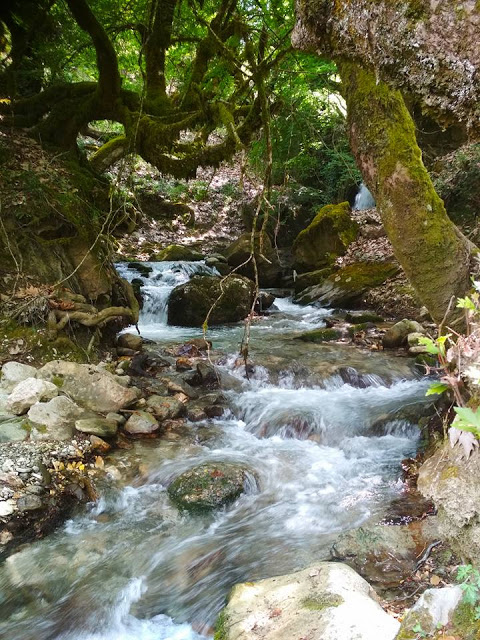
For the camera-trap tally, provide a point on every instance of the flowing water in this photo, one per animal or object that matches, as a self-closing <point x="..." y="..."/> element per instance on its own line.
<point x="363" y="199"/>
<point x="325" y="455"/>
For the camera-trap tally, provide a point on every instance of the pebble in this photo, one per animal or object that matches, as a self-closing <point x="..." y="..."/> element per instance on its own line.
<point x="7" y="507"/>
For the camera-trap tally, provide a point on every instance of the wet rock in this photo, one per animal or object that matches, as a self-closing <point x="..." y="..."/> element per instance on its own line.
<point x="196" y="414"/>
<point x="15" y="372"/>
<point x="328" y="601"/>
<point x="183" y="364"/>
<point x="97" y="426"/>
<point x="193" y="348"/>
<point x="166" y="407"/>
<point x="383" y="555"/>
<point x="141" y="423"/>
<point x="180" y="386"/>
<point x="214" y="411"/>
<point x="209" y="486"/>
<point x="325" y="238"/>
<point x="143" y="269"/>
<point x="346" y="286"/>
<point x="264" y="301"/>
<point x="434" y="609"/>
<point x="92" y="388"/>
<point x="28" y="392"/>
<point x="130" y="341"/>
<point x="397" y="335"/>
<point x="205" y="375"/>
<point x="54" y="419"/>
<point x="99" y="445"/>
<point x="190" y="303"/>
<point x="268" y="265"/>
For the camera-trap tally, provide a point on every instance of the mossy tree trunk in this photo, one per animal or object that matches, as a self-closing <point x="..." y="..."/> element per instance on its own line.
<point x="434" y="254"/>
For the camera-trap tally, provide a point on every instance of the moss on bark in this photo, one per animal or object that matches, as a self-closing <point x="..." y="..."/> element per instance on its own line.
<point x="432" y="251"/>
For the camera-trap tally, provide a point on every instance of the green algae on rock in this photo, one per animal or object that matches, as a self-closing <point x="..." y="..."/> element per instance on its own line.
<point x="347" y="285"/>
<point x="208" y="486"/>
<point x="176" y="253"/>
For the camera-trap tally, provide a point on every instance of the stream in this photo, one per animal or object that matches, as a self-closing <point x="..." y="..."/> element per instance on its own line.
<point x="320" y="426"/>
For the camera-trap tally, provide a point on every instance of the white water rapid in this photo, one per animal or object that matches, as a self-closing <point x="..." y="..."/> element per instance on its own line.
<point x="323" y="428"/>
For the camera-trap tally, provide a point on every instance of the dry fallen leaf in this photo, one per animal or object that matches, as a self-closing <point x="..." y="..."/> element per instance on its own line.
<point x="435" y="581"/>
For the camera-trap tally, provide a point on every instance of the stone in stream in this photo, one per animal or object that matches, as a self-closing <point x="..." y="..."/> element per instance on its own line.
<point x="327" y="601"/>
<point x="166" y="407"/>
<point x="27" y="393"/>
<point x="209" y="486"/>
<point x="141" y="423"/>
<point x="397" y="336"/>
<point x="97" y="426"/>
<point x="130" y="341"/>
<point x="230" y="301"/>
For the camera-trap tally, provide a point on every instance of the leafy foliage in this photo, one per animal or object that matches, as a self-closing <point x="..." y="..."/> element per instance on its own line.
<point x="469" y="579"/>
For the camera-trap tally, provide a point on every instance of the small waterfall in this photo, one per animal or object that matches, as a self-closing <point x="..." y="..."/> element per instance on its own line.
<point x="363" y="199"/>
<point x="158" y="284"/>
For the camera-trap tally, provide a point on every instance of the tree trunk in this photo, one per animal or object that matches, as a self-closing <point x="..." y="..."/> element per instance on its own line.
<point x="436" y="257"/>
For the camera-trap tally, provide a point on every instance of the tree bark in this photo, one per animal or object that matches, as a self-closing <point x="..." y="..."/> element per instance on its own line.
<point x="436" y="257"/>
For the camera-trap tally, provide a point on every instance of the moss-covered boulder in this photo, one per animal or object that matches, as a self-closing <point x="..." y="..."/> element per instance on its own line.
<point x="320" y="335"/>
<point x="190" y="303"/>
<point x="268" y="266"/>
<point x="397" y="335"/>
<point x="311" y="279"/>
<point x="325" y="238"/>
<point x="346" y="286"/>
<point x="208" y="486"/>
<point x="177" y="253"/>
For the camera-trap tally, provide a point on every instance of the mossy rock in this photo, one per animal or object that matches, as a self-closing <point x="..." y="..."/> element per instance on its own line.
<point x="268" y="265"/>
<point x="346" y="286"/>
<point x="208" y="486"/>
<point x="177" y="253"/>
<point x="230" y="300"/>
<point x="362" y="316"/>
<point x="320" y="335"/>
<point x="311" y="279"/>
<point x="325" y="238"/>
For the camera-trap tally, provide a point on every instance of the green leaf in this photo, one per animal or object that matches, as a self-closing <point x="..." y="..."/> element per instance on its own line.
<point x="465" y="303"/>
<point x="464" y="570"/>
<point x="470" y="593"/>
<point x="429" y="344"/>
<point x="437" y="388"/>
<point x="466" y="419"/>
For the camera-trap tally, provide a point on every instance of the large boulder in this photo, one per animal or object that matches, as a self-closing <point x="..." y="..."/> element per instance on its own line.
<point x="91" y="387"/>
<point x="325" y="238"/>
<point x="208" y="486"/>
<point x="327" y="601"/>
<point x="28" y="392"/>
<point x="433" y="610"/>
<point x="453" y="484"/>
<point x="311" y="279"/>
<point x="346" y="286"/>
<point x="190" y="303"/>
<point x="268" y="265"/>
